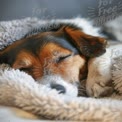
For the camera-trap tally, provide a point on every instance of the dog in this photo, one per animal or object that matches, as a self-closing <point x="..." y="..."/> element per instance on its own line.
<point x="63" y="51"/>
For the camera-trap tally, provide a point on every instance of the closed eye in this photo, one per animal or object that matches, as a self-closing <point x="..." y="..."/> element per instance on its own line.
<point x="24" y="69"/>
<point x="62" y="58"/>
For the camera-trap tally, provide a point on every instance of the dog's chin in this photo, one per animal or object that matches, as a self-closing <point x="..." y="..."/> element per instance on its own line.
<point x="57" y="83"/>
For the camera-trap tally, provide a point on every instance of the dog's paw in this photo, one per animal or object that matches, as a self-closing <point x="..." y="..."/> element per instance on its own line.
<point x="100" y="89"/>
<point x="99" y="82"/>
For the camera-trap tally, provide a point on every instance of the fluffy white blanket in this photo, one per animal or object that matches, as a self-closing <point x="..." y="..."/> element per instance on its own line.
<point x="19" y="90"/>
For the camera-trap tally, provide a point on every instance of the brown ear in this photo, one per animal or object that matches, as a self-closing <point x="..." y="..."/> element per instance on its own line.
<point x="23" y="60"/>
<point x="21" y="63"/>
<point x="88" y="45"/>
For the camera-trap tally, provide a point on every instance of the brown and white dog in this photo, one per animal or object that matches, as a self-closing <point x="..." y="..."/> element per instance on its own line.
<point x="64" y="51"/>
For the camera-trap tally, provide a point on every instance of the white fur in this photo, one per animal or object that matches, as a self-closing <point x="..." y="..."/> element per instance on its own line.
<point x="71" y="89"/>
<point x="84" y="24"/>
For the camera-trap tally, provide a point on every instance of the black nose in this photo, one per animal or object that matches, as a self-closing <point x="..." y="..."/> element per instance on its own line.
<point x="58" y="87"/>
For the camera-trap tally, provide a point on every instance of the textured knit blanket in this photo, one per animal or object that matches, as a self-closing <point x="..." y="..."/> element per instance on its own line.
<point x="18" y="89"/>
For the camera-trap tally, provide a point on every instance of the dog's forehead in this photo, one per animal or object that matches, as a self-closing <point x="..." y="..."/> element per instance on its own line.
<point x="60" y="41"/>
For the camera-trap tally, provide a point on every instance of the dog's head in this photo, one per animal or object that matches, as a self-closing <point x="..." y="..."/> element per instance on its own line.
<point x="62" y="52"/>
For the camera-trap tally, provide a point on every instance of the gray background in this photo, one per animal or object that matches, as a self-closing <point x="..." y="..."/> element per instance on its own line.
<point x="48" y="9"/>
<point x="16" y="9"/>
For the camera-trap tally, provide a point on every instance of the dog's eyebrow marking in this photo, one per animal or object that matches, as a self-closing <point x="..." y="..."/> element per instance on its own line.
<point x="61" y="41"/>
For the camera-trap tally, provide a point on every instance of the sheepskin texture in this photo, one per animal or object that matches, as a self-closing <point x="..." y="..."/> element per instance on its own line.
<point x="20" y="90"/>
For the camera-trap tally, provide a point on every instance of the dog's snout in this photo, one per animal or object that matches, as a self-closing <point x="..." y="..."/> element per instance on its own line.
<point x="59" y="88"/>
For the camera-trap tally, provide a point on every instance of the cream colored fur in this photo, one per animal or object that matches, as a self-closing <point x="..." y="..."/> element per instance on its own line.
<point x="100" y="75"/>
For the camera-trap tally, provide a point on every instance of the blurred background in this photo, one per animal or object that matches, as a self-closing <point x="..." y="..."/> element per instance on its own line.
<point x="98" y="10"/>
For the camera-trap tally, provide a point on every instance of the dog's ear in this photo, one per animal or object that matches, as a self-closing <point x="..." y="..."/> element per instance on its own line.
<point x="22" y="61"/>
<point x="87" y="45"/>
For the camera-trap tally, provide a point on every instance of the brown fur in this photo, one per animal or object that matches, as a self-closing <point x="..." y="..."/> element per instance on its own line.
<point x="38" y="58"/>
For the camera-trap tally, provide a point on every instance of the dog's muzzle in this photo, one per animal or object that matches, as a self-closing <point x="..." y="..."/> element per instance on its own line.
<point x="57" y="83"/>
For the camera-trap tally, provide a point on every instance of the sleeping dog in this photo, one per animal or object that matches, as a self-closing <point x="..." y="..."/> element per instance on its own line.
<point x="63" y="51"/>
